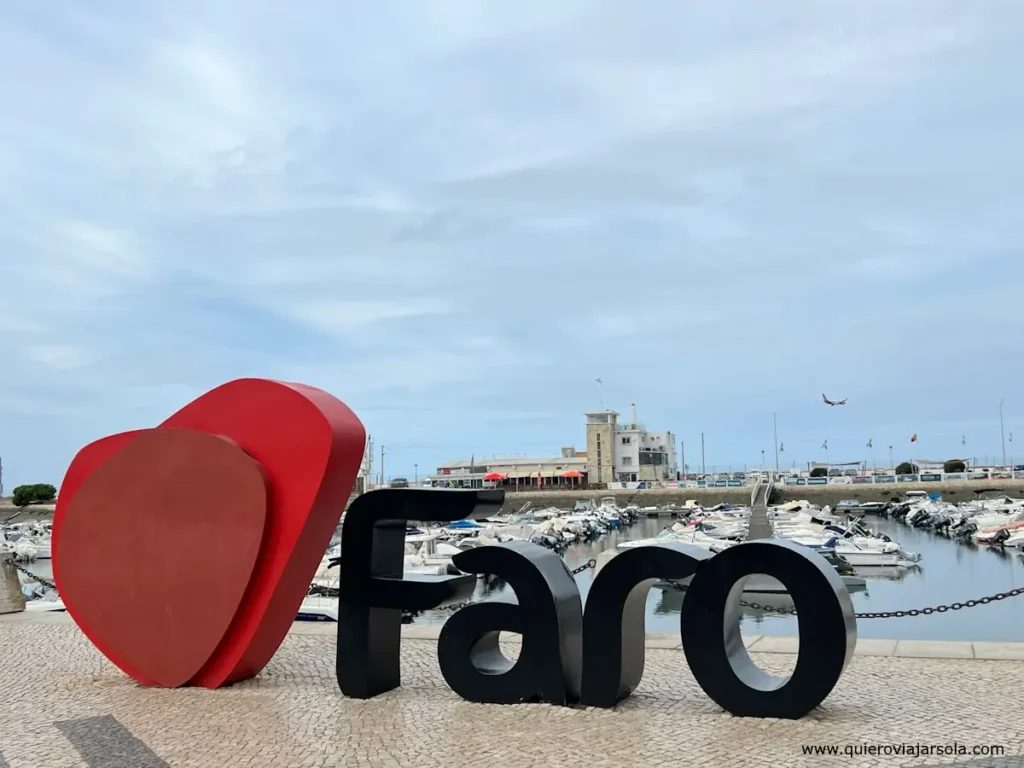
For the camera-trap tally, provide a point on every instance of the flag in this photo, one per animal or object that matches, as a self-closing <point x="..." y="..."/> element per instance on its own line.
<point x="869" y="442"/>
<point x="963" y="439"/>
<point x="824" y="446"/>
<point x="913" y="438"/>
<point x="1011" y="437"/>
<point x="782" y="447"/>
<point x="599" y="381"/>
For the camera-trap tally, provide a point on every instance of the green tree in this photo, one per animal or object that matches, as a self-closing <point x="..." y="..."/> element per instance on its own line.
<point x="954" y="465"/>
<point x="819" y="472"/>
<point x="906" y="468"/>
<point x="24" y="495"/>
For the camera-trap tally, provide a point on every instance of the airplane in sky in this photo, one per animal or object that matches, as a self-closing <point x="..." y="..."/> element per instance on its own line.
<point x="833" y="402"/>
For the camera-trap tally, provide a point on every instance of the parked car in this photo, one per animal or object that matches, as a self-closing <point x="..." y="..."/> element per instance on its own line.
<point x="400" y="482"/>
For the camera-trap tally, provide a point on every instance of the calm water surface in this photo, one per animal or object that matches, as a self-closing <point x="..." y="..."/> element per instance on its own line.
<point x="949" y="572"/>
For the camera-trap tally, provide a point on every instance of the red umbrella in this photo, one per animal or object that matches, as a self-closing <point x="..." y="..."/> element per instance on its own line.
<point x="574" y="475"/>
<point x="494" y="476"/>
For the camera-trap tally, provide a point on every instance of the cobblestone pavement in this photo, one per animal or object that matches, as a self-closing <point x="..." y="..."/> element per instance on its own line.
<point x="64" y="705"/>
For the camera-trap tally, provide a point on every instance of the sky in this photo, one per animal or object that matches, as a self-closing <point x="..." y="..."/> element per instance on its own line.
<point x="455" y="216"/>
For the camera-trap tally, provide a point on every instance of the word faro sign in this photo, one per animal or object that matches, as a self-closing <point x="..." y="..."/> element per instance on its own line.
<point x="219" y="517"/>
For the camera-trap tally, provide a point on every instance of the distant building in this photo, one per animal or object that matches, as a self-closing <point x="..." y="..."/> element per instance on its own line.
<point x="627" y="452"/>
<point x="616" y="452"/>
<point x="567" y="470"/>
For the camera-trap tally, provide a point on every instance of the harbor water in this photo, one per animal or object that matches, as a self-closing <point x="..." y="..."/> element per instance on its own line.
<point x="949" y="572"/>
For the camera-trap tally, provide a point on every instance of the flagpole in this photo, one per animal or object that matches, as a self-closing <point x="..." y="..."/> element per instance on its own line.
<point x="775" y="431"/>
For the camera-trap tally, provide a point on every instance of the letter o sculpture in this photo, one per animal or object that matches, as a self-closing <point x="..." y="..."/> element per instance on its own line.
<point x="714" y="648"/>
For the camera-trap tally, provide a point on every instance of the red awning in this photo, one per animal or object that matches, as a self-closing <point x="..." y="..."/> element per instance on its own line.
<point x="572" y="473"/>
<point x="494" y="476"/>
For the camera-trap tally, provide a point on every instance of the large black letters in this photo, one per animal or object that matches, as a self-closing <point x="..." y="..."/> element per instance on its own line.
<point x="549" y="617"/>
<point x="371" y="588"/>
<point x="568" y="655"/>
<point x="613" y="624"/>
<point x="715" y="651"/>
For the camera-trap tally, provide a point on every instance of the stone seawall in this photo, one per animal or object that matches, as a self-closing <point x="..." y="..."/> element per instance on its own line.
<point x="816" y="494"/>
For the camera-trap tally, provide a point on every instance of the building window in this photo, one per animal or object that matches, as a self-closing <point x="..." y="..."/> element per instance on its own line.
<point x="626" y="440"/>
<point x="651" y="457"/>
<point x="627" y="461"/>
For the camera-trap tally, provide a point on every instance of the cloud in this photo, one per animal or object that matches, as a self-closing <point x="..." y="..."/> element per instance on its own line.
<point x="61" y="357"/>
<point x="345" y="317"/>
<point x="456" y="217"/>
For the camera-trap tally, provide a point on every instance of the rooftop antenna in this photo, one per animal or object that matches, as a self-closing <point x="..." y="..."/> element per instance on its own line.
<point x="632" y="413"/>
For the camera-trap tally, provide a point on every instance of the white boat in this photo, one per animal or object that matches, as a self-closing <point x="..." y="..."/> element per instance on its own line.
<point x="318" y="609"/>
<point x="672" y="536"/>
<point x="860" y="558"/>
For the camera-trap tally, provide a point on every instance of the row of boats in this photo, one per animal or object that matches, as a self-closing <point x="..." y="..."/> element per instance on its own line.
<point x="995" y="521"/>
<point x="843" y="539"/>
<point x="828" y="531"/>
<point x="27" y="541"/>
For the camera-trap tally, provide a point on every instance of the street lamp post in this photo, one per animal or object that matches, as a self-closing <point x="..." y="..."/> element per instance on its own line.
<point x="382" y="466"/>
<point x="891" y="465"/>
<point x="1002" y="435"/>
<point x="762" y="459"/>
<point x="416" y="473"/>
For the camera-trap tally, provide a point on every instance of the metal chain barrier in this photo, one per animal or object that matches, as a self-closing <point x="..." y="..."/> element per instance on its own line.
<point x="792" y="611"/>
<point x="755" y="606"/>
<point x="901" y="614"/>
<point x="40" y="579"/>
<point x="589" y="564"/>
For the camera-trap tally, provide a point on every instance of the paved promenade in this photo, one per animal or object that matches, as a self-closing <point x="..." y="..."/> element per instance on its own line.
<point x="65" y="706"/>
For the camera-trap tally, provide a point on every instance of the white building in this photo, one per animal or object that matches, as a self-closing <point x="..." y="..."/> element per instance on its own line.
<point x="627" y="453"/>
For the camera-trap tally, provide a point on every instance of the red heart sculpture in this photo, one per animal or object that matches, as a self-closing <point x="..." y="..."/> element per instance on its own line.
<point x="142" y="566"/>
<point x="310" y="446"/>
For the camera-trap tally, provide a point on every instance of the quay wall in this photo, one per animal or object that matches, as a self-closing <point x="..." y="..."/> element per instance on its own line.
<point x="820" y="495"/>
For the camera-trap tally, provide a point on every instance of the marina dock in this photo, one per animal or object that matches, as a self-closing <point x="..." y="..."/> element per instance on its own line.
<point x="759" y="527"/>
<point x="66" y="707"/>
